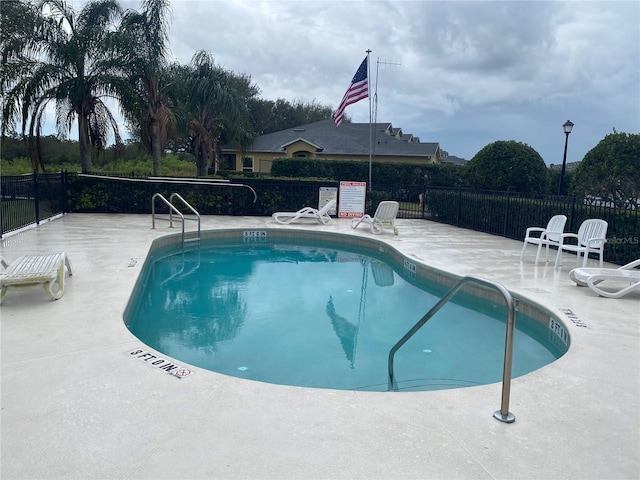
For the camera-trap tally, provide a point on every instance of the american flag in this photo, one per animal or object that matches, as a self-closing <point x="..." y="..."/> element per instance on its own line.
<point x="358" y="90"/>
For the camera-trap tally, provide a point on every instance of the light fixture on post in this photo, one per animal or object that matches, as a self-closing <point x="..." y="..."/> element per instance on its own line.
<point x="568" y="126"/>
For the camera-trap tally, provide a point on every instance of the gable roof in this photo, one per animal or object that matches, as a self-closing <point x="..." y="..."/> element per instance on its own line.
<point x="318" y="148"/>
<point x="347" y="139"/>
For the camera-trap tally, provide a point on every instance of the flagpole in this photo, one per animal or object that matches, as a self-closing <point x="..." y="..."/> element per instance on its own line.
<point x="370" y="121"/>
<point x="375" y="113"/>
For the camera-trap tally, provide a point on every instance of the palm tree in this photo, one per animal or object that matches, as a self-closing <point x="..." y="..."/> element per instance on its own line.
<point x="143" y="48"/>
<point x="64" y="59"/>
<point x="215" y="110"/>
<point x="18" y="20"/>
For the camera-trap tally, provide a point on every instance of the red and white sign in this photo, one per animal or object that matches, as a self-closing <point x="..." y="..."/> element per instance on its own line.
<point x="352" y="197"/>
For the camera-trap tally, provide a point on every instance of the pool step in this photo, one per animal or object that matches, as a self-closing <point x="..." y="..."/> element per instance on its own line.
<point x="420" y="385"/>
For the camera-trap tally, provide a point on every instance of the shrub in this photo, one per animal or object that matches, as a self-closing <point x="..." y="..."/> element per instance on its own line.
<point x="508" y="166"/>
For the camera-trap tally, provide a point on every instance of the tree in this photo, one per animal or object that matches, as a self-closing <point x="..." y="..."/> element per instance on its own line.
<point x="611" y="170"/>
<point x="142" y="46"/>
<point x="19" y="20"/>
<point x="269" y="116"/>
<point x="508" y="165"/>
<point x="213" y="108"/>
<point x="62" y="58"/>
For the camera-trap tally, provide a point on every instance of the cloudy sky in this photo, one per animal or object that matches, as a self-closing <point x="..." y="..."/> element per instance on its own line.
<point x="463" y="74"/>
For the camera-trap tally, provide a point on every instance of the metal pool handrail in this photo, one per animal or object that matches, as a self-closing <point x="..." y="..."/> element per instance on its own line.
<point x="182" y="181"/>
<point x="203" y="181"/>
<point x="173" y="209"/>
<point x="503" y="414"/>
<point x="186" y="204"/>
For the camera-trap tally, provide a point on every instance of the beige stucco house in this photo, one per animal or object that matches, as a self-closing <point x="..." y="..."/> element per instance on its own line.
<point x="323" y="140"/>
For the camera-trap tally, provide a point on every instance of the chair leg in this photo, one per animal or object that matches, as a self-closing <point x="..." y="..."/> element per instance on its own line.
<point x="558" y="258"/>
<point x="59" y="282"/>
<point x="68" y="264"/>
<point x="355" y="222"/>
<point x="538" y="253"/>
<point x="524" y="247"/>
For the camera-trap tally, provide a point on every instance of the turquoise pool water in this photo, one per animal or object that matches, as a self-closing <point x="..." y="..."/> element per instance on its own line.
<point x="315" y="315"/>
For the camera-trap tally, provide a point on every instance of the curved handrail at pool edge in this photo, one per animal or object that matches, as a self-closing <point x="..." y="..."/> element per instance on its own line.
<point x="184" y="181"/>
<point x="172" y="208"/>
<point x="503" y="414"/>
<point x="204" y="181"/>
<point x="193" y="210"/>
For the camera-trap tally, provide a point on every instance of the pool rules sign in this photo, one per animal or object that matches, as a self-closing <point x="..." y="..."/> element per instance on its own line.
<point x="352" y="196"/>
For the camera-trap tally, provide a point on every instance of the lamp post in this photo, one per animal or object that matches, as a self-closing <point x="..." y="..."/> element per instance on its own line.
<point x="567" y="130"/>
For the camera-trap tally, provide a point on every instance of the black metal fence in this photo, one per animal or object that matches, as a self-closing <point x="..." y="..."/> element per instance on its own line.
<point x="29" y="199"/>
<point x="508" y="214"/>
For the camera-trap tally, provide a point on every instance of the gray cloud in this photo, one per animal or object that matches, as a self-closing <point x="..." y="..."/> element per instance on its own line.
<point x="471" y="72"/>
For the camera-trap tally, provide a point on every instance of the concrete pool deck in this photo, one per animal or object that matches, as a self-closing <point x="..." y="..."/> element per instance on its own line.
<point x="75" y="405"/>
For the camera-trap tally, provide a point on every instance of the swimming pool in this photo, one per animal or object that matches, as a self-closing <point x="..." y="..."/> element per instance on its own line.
<point x="322" y="310"/>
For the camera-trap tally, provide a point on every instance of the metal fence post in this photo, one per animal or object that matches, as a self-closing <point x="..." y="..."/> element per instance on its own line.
<point x="572" y="216"/>
<point x="36" y="196"/>
<point x="459" y="206"/>
<point x="506" y="215"/>
<point x="64" y="181"/>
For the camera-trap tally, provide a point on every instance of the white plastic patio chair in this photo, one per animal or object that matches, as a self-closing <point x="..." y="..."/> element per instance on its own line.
<point x="620" y="281"/>
<point x="385" y="217"/>
<point x="321" y="215"/>
<point x="591" y="237"/>
<point x="544" y="236"/>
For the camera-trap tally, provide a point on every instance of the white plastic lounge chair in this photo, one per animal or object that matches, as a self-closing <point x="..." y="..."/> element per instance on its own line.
<point x="321" y="215"/>
<point x="32" y="270"/>
<point x="385" y="217"/>
<point x="544" y="236"/>
<point x="620" y="281"/>
<point x="591" y="237"/>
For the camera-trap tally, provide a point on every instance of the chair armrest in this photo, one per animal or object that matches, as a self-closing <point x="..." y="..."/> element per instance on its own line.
<point x="534" y="229"/>
<point x="568" y="235"/>
<point x="596" y="240"/>
<point x="545" y="235"/>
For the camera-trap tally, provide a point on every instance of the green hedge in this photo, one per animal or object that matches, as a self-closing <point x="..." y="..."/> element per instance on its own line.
<point x="119" y="195"/>
<point x="410" y="175"/>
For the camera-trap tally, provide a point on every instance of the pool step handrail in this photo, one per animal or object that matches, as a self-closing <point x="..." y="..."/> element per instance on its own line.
<point x="193" y="210"/>
<point x="503" y="414"/>
<point x="172" y="210"/>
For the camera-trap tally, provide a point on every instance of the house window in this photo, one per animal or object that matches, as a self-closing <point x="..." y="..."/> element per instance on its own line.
<point x="228" y="161"/>
<point x="301" y="154"/>
<point x="247" y="164"/>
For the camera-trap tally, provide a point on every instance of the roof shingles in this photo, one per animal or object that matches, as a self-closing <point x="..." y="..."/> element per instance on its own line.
<point x="347" y="139"/>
